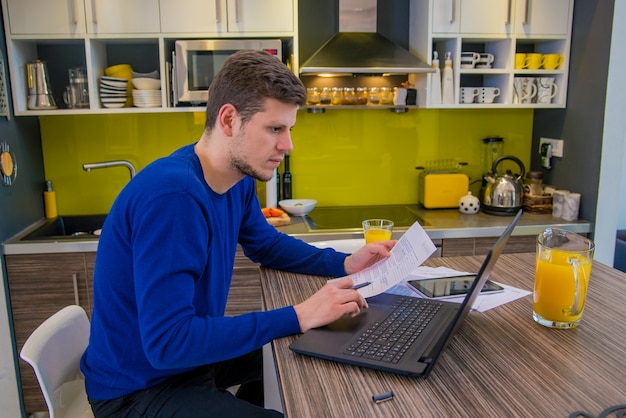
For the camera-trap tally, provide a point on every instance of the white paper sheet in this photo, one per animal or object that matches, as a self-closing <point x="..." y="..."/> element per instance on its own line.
<point x="411" y="250"/>
<point x="483" y="302"/>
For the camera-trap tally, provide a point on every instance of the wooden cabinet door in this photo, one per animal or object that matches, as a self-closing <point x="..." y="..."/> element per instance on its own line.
<point x="46" y="17"/>
<point x="260" y="16"/>
<point x="542" y="17"/>
<point x="39" y="286"/>
<point x="193" y="16"/>
<point x="122" y="16"/>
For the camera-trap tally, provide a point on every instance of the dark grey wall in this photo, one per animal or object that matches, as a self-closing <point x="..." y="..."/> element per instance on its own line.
<point x="22" y="203"/>
<point x="580" y="125"/>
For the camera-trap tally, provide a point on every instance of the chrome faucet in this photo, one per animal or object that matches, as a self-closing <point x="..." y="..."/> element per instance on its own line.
<point x="105" y="164"/>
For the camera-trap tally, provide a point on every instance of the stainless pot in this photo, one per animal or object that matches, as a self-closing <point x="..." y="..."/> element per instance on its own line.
<point x="503" y="194"/>
<point x="39" y="91"/>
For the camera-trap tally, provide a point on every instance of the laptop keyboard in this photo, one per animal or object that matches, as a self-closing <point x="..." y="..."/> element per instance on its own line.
<point x="390" y="339"/>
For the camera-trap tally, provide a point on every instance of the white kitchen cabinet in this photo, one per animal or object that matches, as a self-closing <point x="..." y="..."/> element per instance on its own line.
<point x="498" y="27"/>
<point x="535" y="18"/>
<point x="193" y="16"/>
<point x="45" y="17"/>
<point x="99" y="33"/>
<point x="260" y="16"/>
<point x="227" y="16"/>
<point x="471" y="16"/>
<point x="122" y="16"/>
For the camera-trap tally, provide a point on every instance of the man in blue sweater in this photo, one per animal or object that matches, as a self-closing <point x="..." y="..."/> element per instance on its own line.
<point x="160" y="344"/>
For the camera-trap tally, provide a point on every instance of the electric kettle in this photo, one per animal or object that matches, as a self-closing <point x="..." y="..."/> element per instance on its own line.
<point x="39" y="91"/>
<point x="503" y="194"/>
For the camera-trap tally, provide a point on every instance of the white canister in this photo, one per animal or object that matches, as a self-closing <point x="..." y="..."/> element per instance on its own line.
<point x="469" y="204"/>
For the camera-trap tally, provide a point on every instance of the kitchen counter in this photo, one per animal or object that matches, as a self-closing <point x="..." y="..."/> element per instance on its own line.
<point x="438" y="224"/>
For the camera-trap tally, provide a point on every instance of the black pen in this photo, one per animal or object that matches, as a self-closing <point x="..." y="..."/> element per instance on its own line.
<point x="358" y="286"/>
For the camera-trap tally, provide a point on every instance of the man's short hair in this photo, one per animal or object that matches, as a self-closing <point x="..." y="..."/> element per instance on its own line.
<point x="246" y="79"/>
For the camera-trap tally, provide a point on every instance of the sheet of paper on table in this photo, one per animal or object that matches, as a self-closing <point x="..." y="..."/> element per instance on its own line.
<point x="483" y="302"/>
<point x="411" y="250"/>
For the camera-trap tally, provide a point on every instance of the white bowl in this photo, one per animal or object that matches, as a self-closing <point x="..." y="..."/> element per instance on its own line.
<point x="298" y="207"/>
<point x="151" y="74"/>
<point x="145" y="83"/>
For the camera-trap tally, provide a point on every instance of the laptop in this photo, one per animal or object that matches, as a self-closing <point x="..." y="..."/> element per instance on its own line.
<point x="398" y="334"/>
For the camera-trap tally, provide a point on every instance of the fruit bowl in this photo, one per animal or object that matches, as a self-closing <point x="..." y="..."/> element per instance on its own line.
<point x="297" y="207"/>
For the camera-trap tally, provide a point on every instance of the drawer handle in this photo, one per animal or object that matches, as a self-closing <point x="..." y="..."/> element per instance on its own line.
<point x="94" y="12"/>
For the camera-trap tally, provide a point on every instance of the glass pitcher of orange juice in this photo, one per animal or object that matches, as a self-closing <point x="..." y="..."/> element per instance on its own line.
<point x="561" y="276"/>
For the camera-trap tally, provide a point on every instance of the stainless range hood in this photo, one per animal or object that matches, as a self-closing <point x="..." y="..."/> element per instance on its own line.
<point x="359" y="50"/>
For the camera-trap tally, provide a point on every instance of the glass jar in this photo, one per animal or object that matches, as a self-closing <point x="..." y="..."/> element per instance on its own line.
<point x="312" y="96"/>
<point x="534" y="183"/>
<point x="349" y="96"/>
<point x="386" y="95"/>
<point x="325" y="96"/>
<point x="336" y="96"/>
<point x="361" y="95"/>
<point x="374" y="95"/>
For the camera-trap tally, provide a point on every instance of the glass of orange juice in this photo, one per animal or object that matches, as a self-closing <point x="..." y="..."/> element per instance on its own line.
<point x="561" y="276"/>
<point x="377" y="230"/>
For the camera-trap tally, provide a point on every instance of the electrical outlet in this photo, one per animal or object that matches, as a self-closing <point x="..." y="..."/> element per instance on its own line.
<point x="557" y="146"/>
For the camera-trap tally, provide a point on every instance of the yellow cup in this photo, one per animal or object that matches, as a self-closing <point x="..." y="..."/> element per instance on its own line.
<point x="377" y="230"/>
<point x="520" y="61"/>
<point x="534" y="61"/>
<point x="552" y="61"/>
<point x="563" y="265"/>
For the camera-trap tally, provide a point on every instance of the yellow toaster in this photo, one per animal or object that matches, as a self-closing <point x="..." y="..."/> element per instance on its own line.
<point x="439" y="190"/>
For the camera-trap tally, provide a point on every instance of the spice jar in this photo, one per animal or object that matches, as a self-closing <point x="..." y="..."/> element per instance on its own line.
<point x="361" y="95"/>
<point x="336" y="96"/>
<point x="312" y="96"/>
<point x="534" y="181"/>
<point x="374" y="95"/>
<point x="349" y="96"/>
<point x="386" y="95"/>
<point x="325" y="96"/>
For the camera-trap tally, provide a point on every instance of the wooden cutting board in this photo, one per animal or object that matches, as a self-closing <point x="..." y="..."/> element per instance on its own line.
<point x="283" y="219"/>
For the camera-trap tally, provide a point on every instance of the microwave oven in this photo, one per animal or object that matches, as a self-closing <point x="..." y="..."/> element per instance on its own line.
<point x="196" y="61"/>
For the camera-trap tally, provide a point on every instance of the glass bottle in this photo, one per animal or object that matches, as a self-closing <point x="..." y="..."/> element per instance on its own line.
<point x="336" y="96"/>
<point x="312" y="96"/>
<point x="386" y="95"/>
<point x="349" y="96"/>
<point x="361" y="95"/>
<point x="374" y="95"/>
<point x="325" y="96"/>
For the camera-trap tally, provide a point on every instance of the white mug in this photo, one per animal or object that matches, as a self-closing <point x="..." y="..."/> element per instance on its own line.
<point x="468" y="94"/>
<point x="486" y="59"/>
<point x="488" y="94"/>
<point x="469" y="59"/>
<point x="524" y="90"/>
<point x="546" y="89"/>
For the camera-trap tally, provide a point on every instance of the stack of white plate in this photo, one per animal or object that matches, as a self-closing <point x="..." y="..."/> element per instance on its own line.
<point x="113" y="91"/>
<point x="147" y="98"/>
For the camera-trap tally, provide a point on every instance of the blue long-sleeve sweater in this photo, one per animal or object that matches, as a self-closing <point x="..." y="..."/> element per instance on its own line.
<point x="163" y="270"/>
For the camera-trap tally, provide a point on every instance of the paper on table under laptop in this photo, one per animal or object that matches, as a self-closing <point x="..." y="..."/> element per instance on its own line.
<point x="411" y="250"/>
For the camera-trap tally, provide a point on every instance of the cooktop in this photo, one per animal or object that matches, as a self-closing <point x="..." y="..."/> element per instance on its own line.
<point x="350" y="217"/>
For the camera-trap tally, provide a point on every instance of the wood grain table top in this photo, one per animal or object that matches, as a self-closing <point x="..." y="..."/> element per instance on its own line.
<point x="500" y="363"/>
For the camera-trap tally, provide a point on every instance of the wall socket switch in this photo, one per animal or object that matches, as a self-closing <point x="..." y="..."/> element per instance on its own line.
<point x="557" y="146"/>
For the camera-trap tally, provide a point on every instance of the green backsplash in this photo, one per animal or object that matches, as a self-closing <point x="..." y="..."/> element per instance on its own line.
<point x="341" y="157"/>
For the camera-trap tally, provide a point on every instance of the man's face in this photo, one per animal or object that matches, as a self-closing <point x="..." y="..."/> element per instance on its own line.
<point x="261" y="144"/>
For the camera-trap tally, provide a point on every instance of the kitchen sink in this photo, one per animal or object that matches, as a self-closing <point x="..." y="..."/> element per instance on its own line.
<point x="349" y="218"/>
<point x="74" y="227"/>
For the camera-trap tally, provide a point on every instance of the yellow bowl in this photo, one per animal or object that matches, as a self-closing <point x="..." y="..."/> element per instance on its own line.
<point x="120" y="70"/>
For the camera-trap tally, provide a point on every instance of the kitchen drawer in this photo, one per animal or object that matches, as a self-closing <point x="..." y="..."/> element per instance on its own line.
<point x="481" y="246"/>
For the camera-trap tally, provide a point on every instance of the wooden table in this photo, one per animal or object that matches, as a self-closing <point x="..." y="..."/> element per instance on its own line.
<point x="501" y="363"/>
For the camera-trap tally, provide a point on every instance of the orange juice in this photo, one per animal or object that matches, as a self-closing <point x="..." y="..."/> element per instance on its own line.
<point x="374" y="235"/>
<point x="555" y="287"/>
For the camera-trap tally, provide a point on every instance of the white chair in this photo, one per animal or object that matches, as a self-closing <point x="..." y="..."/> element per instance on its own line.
<point x="54" y="350"/>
